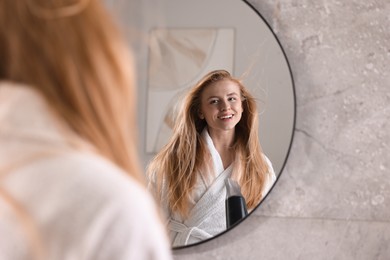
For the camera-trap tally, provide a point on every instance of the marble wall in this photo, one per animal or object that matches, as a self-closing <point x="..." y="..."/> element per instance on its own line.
<point x="332" y="200"/>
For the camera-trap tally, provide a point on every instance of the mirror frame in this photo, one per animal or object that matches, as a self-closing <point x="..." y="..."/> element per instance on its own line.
<point x="278" y="174"/>
<point x="134" y="29"/>
<point x="130" y="29"/>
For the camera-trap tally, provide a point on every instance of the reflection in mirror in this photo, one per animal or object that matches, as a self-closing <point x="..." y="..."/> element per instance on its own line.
<point x="215" y="137"/>
<point x="177" y="42"/>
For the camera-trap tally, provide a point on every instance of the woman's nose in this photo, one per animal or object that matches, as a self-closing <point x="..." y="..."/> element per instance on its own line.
<point x="225" y="106"/>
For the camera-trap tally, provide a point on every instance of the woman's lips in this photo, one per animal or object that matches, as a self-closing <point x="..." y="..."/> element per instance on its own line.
<point x="223" y="117"/>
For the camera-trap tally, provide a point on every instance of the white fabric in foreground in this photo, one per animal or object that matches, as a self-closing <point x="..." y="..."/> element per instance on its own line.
<point x="83" y="206"/>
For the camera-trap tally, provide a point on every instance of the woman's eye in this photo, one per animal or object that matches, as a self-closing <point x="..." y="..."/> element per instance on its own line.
<point x="232" y="99"/>
<point x="214" y="101"/>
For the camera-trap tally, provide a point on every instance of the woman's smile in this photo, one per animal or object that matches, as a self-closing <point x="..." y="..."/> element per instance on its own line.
<point x="226" y="116"/>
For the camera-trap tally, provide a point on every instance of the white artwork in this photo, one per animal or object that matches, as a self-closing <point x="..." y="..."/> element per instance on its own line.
<point x="178" y="58"/>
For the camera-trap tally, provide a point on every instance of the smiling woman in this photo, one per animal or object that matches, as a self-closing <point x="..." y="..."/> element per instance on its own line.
<point x="215" y="137"/>
<point x="176" y="43"/>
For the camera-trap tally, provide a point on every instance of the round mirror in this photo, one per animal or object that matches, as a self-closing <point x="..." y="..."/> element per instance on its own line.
<point x="177" y="42"/>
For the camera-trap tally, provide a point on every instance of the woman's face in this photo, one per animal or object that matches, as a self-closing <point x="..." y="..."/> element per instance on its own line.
<point x="221" y="105"/>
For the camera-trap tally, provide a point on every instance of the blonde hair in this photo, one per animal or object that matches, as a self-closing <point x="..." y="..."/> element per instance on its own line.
<point x="185" y="157"/>
<point x="72" y="53"/>
<point x="81" y="66"/>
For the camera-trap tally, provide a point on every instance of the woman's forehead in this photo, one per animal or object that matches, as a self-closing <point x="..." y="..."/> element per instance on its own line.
<point x="222" y="87"/>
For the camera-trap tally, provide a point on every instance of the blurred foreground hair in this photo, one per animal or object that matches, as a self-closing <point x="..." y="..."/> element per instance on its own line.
<point x="72" y="53"/>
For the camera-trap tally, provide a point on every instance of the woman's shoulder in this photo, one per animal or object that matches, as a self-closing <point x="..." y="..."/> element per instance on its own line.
<point x="91" y="172"/>
<point x="270" y="178"/>
<point x="269" y="165"/>
<point x="75" y="178"/>
<point x="84" y="198"/>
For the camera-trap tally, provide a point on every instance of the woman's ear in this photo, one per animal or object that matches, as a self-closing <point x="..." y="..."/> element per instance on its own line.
<point x="200" y="114"/>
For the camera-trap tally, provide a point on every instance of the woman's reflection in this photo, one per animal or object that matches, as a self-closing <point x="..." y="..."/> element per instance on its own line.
<point x="215" y="137"/>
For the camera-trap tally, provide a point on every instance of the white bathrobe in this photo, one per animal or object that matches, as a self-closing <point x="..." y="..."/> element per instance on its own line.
<point x="82" y="205"/>
<point x="207" y="216"/>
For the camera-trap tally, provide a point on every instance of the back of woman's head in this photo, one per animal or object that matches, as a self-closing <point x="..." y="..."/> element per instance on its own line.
<point x="71" y="52"/>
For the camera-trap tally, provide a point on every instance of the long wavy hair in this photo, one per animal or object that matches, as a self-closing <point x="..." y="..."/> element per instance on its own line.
<point x="72" y="52"/>
<point x="177" y="167"/>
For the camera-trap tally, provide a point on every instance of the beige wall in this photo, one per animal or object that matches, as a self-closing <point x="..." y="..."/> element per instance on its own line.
<point x="332" y="200"/>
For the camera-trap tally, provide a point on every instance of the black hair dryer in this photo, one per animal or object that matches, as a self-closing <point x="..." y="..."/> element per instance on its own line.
<point x="235" y="203"/>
